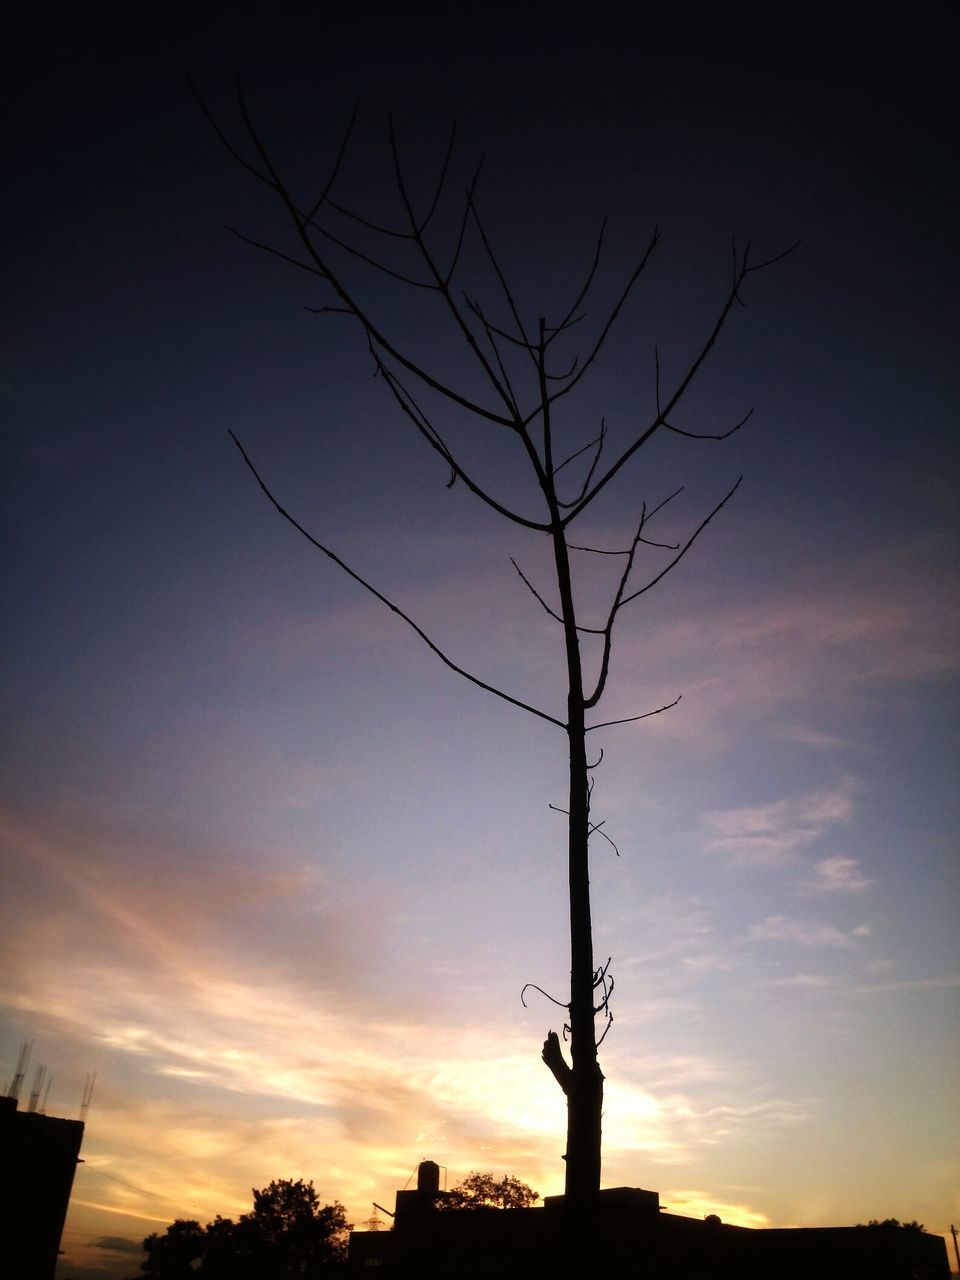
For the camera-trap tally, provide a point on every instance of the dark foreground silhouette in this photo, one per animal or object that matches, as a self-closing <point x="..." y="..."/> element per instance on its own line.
<point x="490" y="1227"/>
<point x="624" y="1233"/>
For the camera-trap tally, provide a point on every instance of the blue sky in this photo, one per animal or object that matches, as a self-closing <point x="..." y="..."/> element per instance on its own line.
<point x="276" y="875"/>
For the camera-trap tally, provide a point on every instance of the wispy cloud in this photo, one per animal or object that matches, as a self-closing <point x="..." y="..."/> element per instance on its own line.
<point x="807" y="736"/>
<point x="768" y="835"/>
<point x="836" y="875"/>
<point x="827" y="645"/>
<point x="801" y="981"/>
<point x="255" y="1071"/>
<point x="945" y="983"/>
<point x="673" y="1128"/>
<point x="805" y="933"/>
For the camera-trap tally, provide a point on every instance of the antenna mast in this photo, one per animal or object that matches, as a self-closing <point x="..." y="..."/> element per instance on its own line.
<point x="38" y="1076"/>
<point x="17" y="1081"/>
<point x="88" y="1084"/>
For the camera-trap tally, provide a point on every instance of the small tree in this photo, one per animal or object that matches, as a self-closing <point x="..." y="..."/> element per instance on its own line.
<point x="521" y="374"/>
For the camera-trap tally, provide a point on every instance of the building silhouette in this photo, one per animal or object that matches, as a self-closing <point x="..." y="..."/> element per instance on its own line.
<point x="628" y="1235"/>
<point x="38" y="1158"/>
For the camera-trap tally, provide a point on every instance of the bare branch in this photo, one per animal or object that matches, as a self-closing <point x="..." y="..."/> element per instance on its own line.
<point x="412" y="410"/>
<point x="353" y="216"/>
<point x="225" y="141"/>
<point x="464" y="219"/>
<point x="595" y="827"/>
<point x="567" y="320"/>
<point x="284" y="257"/>
<point x="441" y="282"/>
<point x="474" y="306"/>
<point x="345" y="297"/>
<point x="344" y="143"/>
<point x="583" y="448"/>
<point x="491" y="333"/>
<point x="692" y="371"/>
<point x="611" y="616"/>
<point x="607" y="630"/>
<point x="631" y="719"/>
<point x="562" y="377"/>
<point x="604" y="980"/>
<point x="354" y="252"/>
<point x="704" y="435"/>
<point x="546" y="994"/>
<point x="554" y="329"/>
<point x="482" y="684"/>
<point x="687" y="545"/>
<point x="677" y="430"/>
<point x="611" y="318"/>
<point x="507" y="292"/>
<point x="390" y="231"/>
<point x="599" y="442"/>
<point x="534" y="592"/>
<point x="442" y="180"/>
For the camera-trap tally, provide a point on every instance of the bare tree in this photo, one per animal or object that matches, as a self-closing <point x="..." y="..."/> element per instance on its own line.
<point x="524" y="371"/>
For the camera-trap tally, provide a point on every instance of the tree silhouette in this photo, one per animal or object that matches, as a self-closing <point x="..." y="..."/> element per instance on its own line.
<point x="893" y="1222"/>
<point x="484" y="1191"/>
<point x="515" y="387"/>
<point x="292" y="1231"/>
<point x="173" y="1255"/>
<point x="288" y="1233"/>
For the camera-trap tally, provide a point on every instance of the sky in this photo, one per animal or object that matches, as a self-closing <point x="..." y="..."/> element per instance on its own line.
<point x="269" y="869"/>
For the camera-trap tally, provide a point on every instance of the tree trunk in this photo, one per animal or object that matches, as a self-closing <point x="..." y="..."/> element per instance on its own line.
<point x="585" y="1083"/>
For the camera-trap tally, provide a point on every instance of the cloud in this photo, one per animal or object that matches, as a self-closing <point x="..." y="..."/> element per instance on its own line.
<point x="159" y="975"/>
<point x="800" y="981"/>
<point x="816" y="738"/>
<point x="768" y="835"/>
<point x="805" y="933"/>
<point x="946" y="982"/>
<point x="826" y="646"/>
<point x="170" y="909"/>
<point x="118" y="1244"/>
<point x="671" y="936"/>
<point x="836" y="875"/>
<point x="673" y="1127"/>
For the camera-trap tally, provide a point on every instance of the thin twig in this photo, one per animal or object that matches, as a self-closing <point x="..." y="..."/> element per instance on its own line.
<point x="692" y="371"/>
<point x="528" y="985"/>
<point x="687" y="545"/>
<point x="632" y="719"/>
<point x="534" y="592"/>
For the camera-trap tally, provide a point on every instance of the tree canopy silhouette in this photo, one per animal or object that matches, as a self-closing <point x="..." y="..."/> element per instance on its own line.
<point x="516" y="389"/>
<point x="288" y="1233"/>
<point x="484" y="1191"/>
